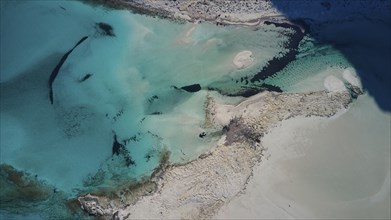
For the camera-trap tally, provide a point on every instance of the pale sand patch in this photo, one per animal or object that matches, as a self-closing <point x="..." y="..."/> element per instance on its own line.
<point x="322" y="168"/>
<point x="243" y="59"/>
<point x="333" y="84"/>
<point x="186" y="37"/>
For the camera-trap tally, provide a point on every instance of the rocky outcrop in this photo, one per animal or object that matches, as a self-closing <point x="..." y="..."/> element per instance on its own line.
<point x="92" y="205"/>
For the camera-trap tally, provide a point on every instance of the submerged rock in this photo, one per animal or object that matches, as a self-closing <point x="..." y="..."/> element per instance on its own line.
<point x="91" y="205"/>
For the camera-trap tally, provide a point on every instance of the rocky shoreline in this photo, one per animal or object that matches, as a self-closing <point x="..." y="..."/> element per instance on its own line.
<point x="197" y="189"/>
<point x="247" y="13"/>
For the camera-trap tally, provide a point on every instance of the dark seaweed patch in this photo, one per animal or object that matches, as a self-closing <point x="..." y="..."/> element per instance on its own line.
<point x="57" y="68"/>
<point x="192" y="88"/>
<point x="202" y="135"/>
<point x="278" y="63"/>
<point x="120" y="149"/>
<point x="105" y="29"/>
<point x="87" y="76"/>
<point x="153" y="98"/>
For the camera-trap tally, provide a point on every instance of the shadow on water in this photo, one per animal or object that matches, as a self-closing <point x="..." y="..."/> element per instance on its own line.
<point x="359" y="29"/>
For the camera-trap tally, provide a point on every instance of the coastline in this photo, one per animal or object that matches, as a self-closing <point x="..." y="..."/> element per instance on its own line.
<point x="321" y="168"/>
<point x="235" y="13"/>
<point x="183" y="184"/>
<point x="199" y="188"/>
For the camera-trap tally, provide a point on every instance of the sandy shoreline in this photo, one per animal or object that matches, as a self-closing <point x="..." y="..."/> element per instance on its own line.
<point x="201" y="187"/>
<point x="321" y="168"/>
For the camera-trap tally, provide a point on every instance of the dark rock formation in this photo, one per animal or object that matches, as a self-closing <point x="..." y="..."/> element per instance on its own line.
<point x="91" y="205"/>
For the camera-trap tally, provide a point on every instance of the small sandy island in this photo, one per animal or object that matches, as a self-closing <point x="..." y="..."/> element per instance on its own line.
<point x="243" y="59"/>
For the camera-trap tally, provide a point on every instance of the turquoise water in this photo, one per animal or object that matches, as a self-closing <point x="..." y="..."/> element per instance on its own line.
<point x="121" y="85"/>
<point x="130" y="92"/>
<point x="311" y="66"/>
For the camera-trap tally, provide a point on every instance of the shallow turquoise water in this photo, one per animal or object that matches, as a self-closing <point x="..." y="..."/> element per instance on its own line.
<point x="130" y="92"/>
<point x="68" y="142"/>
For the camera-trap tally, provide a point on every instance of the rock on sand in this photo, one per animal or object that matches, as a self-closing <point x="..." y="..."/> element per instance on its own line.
<point x="350" y="76"/>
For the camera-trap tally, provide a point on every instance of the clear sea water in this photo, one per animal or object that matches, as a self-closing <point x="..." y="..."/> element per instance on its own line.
<point x="130" y="92"/>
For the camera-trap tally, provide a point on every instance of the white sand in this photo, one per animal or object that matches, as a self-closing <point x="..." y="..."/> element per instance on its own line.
<point x="243" y="59"/>
<point x="333" y="84"/>
<point x="322" y="168"/>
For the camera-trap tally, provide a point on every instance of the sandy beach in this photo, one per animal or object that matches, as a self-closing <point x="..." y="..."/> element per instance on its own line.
<point x="321" y="168"/>
<point x="199" y="189"/>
